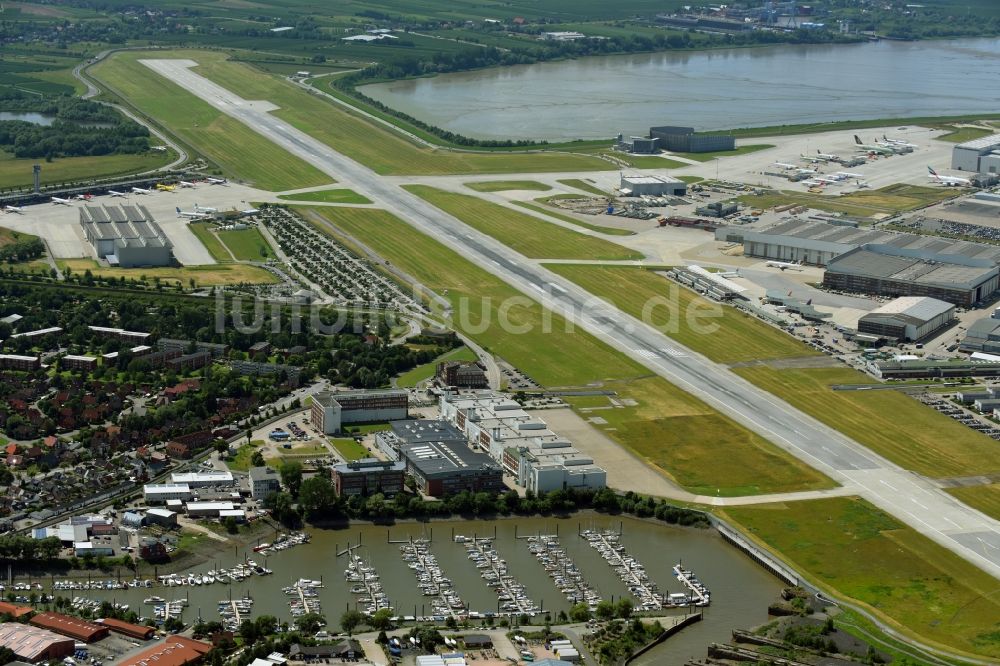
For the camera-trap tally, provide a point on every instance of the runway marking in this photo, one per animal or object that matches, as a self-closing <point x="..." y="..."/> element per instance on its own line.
<point x="918" y="503"/>
<point x="557" y="287"/>
<point x="645" y="353"/>
<point x="884" y="483"/>
<point x="986" y="543"/>
<point x="677" y="353"/>
<point x="953" y="523"/>
<point x="535" y="286"/>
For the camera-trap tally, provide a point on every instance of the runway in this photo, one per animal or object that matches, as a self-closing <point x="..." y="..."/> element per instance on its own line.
<point x="909" y="497"/>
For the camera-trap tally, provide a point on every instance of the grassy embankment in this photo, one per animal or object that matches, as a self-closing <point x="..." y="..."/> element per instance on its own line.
<point x="246" y="244"/>
<point x="611" y="231"/>
<point x="17" y="172"/>
<point x="850" y="548"/>
<point x="740" y="150"/>
<point x="962" y="134"/>
<point x="507" y="185"/>
<point x="532" y="237"/>
<point x="689" y="441"/>
<point x="984" y="498"/>
<point x="203" y="276"/>
<point x="583" y="185"/>
<point x="426" y="371"/>
<point x="864" y="203"/>
<point x="205" y="232"/>
<point x="890" y="423"/>
<point x="341" y="196"/>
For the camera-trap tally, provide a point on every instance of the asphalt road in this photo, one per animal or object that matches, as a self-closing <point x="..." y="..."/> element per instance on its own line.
<point x="909" y="497"/>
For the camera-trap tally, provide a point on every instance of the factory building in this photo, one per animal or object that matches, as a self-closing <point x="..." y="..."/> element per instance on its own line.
<point x="983" y="336"/>
<point x="34" y="644"/>
<point x="330" y="411"/>
<point x="207" y="509"/>
<point x="656" y="186"/>
<point x="885" y="270"/>
<point x="980" y="155"/>
<point x="417" y="431"/>
<point x="368" y="476"/>
<point x="440" y="469"/>
<point x="909" y="318"/>
<point x="126" y="236"/>
<point x="546" y="468"/>
<point x="684" y="140"/>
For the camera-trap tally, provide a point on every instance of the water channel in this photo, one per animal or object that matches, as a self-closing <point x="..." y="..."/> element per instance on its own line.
<point x="740" y="589"/>
<point x="28" y="117"/>
<point x="598" y="97"/>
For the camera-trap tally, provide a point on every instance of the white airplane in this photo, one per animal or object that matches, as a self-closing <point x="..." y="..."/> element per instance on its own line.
<point x="828" y="181"/>
<point x="948" y="181"/>
<point x="249" y="211"/>
<point x="141" y="190"/>
<point x="862" y="185"/>
<point x="827" y="156"/>
<point x="190" y="214"/>
<point x="813" y="182"/>
<point x="806" y="171"/>
<point x="14" y="209"/>
<point x="899" y="142"/>
<point x="62" y="202"/>
<point x="116" y="193"/>
<point x="784" y="165"/>
<point x="785" y="265"/>
<point x="184" y="183"/>
<point x="894" y="147"/>
<point x="873" y="148"/>
<point x="812" y="160"/>
<point x="217" y="181"/>
<point x="848" y="174"/>
<point x="205" y="209"/>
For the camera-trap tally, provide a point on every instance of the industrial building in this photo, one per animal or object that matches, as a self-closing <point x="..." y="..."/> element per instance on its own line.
<point x="983" y="336"/>
<point x="164" y="517"/>
<point x="440" y="469"/>
<point x="263" y="482"/>
<point x="203" y="479"/>
<point x="816" y="243"/>
<point x="910" y="318"/>
<point x="368" y="476"/>
<point x="417" y="431"/>
<point x="637" y="145"/>
<point x="172" y="651"/>
<point x="126" y="236"/>
<point x="655" y="186"/>
<point x="684" y="140"/>
<point x="207" y="509"/>
<point x="944" y="369"/>
<point x="556" y="466"/>
<point x="706" y="282"/>
<point x="73" y="627"/>
<point x="330" y="411"/>
<point x="34" y="644"/>
<point x="885" y="270"/>
<point x="462" y="375"/>
<point x="139" y="631"/>
<point x="980" y="155"/>
<point x="159" y="493"/>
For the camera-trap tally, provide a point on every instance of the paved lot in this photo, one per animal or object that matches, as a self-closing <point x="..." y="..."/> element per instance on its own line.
<point x="910" y="498"/>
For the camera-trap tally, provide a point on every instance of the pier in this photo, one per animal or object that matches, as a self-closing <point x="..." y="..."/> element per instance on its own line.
<point x="431" y="579"/>
<point x="629" y="570"/>
<point x="700" y="596"/>
<point x="367" y="585"/>
<point x="511" y="595"/>
<point x="562" y="570"/>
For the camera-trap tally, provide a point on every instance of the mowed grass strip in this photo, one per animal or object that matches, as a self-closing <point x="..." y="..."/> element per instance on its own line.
<point x="507" y="185"/>
<point x="583" y="185"/>
<point x="850" y="548"/>
<point x="426" y="371"/>
<point x="203" y="276"/>
<point x="342" y="196"/>
<point x="888" y="422"/>
<point x="237" y="149"/>
<point x="247" y="244"/>
<point x="680" y="313"/>
<point x="865" y="203"/>
<point x="984" y="498"/>
<point x="963" y="134"/>
<point x="204" y="232"/>
<point x="531" y="236"/>
<point x="611" y="231"/>
<point x="375" y="146"/>
<point x="15" y="172"/>
<point x="700" y="448"/>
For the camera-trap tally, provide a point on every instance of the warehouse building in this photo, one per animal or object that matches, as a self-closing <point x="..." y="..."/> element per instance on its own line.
<point x="440" y="469"/>
<point x="331" y="411"/>
<point x="910" y="318"/>
<point x="655" y="186"/>
<point x="126" y="236"/>
<point x="817" y="243"/>
<point x="368" y="476"/>
<point x="139" y="631"/>
<point x="684" y="140"/>
<point x="637" y="145"/>
<point x="73" y="627"/>
<point x="160" y="493"/>
<point x="172" y="651"/>
<point x="983" y="336"/>
<point x="34" y="644"/>
<point x="885" y="270"/>
<point x="207" y="509"/>
<point x="163" y="517"/>
<point x="980" y="155"/>
<point x="203" y="479"/>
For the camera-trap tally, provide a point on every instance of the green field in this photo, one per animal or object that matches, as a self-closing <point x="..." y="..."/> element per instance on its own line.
<point x="373" y="145"/>
<point x="17" y="172"/>
<point x="506" y="185"/>
<point x="740" y="150"/>
<point x="203" y="276"/>
<point x="852" y="549"/>
<point x="340" y="196"/>
<point x="9" y="236"/>
<point x="206" y="234"/>
<point x="241" y="461"/>
<point x="584" y="186"/>
<point x="865" y="203"/>
<point x="426" y="371"/>
<point x="985" y="498"/>
<point x="962" y="134"/>
<point x="246" y="244"/>
<point x="237" y="149"/>
<point x="532" y="237"/>
<point x="732" y="336"/>
<point x="702" y="449"/>
<point x="888" y="422"/>
<point x="349" y="449"/>
<point x="611" y="231"/>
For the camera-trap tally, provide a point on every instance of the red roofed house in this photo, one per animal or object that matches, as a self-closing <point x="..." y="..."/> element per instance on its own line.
<point x="173" y="651"/>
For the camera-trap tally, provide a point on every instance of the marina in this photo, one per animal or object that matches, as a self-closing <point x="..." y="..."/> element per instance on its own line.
<point x="371" y="596"/>
<point x="563" y="572"/>
<point x="304" y="597"/>
<point x="431" y="580"/>
<point x="234" y="611"/>
<point x="512" y="597"/>
<point x="629" y="570"/>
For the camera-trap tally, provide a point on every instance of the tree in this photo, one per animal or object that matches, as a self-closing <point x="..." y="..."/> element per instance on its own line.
<point x="257" y="459"/>
<point x="221" y="447"/>
<point x="381" y="619"/>
<point x="310" y="623"/>
<point x="605" y="610"/>
<point x="291" y="476"/>
<point x="579" y="612"/>
<point x="318" y="497"/>
<point x="625" y="607"/>
<point x="231" y="525"/>
<point x="350" y="620"/>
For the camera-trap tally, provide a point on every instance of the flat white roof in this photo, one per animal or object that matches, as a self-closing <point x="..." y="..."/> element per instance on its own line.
<point x="921" y="307"/>
<point x="194" y="477"/>
<point x="74" y="357"/>
<point x="17" y="357"/>
<point x="41" y="331"/>
<point x="166" y="488"/>
<point x="650" y="180"/>
<point x="163" y="513"/>
<point x="219" y="506"/>
<point x="981" y="143"/>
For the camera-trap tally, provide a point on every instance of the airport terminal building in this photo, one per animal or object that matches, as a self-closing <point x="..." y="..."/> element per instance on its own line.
<point x="126" y="236"/>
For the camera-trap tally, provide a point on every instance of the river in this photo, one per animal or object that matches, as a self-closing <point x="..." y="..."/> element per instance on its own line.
<point x="598" y="97"/>
<point x="741" y="590"/>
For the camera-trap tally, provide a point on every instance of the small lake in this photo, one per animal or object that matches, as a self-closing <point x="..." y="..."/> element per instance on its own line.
<point x="28" y="117"/>
<point x="598" y="97"/>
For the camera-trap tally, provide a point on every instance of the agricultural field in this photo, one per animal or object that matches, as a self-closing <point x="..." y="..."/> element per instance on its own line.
<point x="666" y="426"/>
<point x="17" y="173"/>
<point x="246" y="244"/>
<point x="234" y="147"/>
<point x="507" y="185"/>
<point x="734" y="336"/>
<point x="185" y="276"/>
<point x="985" y="498"/>
<point x="532" y="237"/>
<point x="850" y="548"/>
<point x="888" y="422"/>
<point x="340" y="196"/>
<point x="38" y="73"/>
<point x="426" y="371"/>
<point x="865" y="203"/>
<point x="611" y="231"/>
